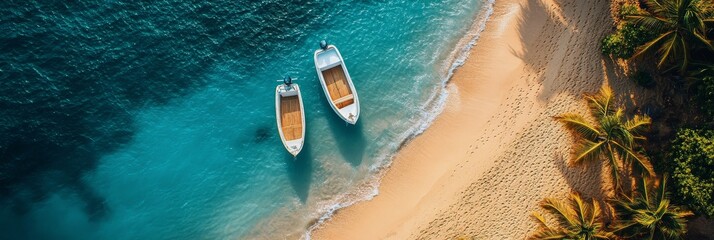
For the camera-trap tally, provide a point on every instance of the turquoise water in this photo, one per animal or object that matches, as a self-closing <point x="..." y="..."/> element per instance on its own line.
<point x="157" y="120"/>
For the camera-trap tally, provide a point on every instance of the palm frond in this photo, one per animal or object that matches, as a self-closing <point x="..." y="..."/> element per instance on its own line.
<point x="703" y="39"/>
<point x="544" y="231"/>
<point x="549" y="235"/>
<point x="643" y="190"/>
<point x="612" y="161"/>
<point x="637" y="123"/>
<point x="601" y="103"/>
<point x="587" y="151"/>
<point x="665" y="51"/>
<point x="580" y="208"/>
<point x="662" y="190"/>
<point x="673" y="225"/>
<point x="641" y="163"/>
<point x="661" y="208"/>
<point x="541" y="220"/>
<point x="643" y="218"/>
<point x="603" y="235"/>
<point x="595" y="213"/>
<point x="578" y="126"/>
<point x="655" y="23"/>
<point x="647" y="46"/>
<point x="685" y="59"/>
<point x="617" y="130"/>
<point x="675" y="220"/>
<point x="623" y="226"/>
<point x="564" y="215"/>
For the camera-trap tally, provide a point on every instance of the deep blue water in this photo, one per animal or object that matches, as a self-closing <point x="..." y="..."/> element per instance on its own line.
<point x="155" y="120"/>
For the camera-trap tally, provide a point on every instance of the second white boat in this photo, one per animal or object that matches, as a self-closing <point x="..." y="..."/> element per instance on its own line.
<point x="337" y="83"/>
<point x="290" y="115"/>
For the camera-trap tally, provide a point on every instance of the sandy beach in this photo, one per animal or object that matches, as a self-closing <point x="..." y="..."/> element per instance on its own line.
<point x="495" y="152"/>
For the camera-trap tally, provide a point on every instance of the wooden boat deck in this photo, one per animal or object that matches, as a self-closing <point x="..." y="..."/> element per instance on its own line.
<point x="337" y="86"/>
<point x="291" y="118"/>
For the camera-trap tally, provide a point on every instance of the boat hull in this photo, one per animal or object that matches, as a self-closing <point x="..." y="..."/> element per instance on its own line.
<point x="290" y="117"/>
<point x="337" y="84"/>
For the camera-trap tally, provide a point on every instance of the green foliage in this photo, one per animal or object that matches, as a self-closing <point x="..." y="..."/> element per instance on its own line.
<point x="624" y="42"/>
<point x="643" y="79"/>
<point x="693" y="173"/>
<point x="628" y="9"/>
<point x="705" y="96"/>
<point x="648" y="214"/>
<point x="703" y="79"/>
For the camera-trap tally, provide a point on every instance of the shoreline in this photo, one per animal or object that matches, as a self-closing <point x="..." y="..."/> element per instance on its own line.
<point x="451" y="175"/>
<point x="435" y="107"/>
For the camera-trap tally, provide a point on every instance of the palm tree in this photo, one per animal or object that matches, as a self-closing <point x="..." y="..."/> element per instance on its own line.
<point x="678" y="24"/>
<point x="648" y="214"/>
<point x="611" y="138"/>
<point x="576" y="220"/>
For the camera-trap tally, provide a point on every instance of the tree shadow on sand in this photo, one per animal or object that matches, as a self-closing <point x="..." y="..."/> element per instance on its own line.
<point x="586" y="179"/>
<point x="544" y="52"/>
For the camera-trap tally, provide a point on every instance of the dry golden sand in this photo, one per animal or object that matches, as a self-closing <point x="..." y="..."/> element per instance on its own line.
<point x="495" y="152"/>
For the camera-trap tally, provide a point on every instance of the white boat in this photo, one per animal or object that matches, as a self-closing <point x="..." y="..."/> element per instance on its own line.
<point x="290" y="115"/>
<point x="336" y="83"/>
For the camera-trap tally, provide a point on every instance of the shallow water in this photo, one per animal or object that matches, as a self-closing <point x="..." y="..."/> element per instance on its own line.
<point x="125" y="120"/>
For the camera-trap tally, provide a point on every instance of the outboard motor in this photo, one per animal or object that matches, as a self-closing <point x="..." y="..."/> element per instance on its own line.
<point x="288" y="80"/>
<point x="323" y="45"/>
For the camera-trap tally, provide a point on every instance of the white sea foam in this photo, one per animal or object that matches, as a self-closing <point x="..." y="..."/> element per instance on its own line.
<point x="434" y="106"/>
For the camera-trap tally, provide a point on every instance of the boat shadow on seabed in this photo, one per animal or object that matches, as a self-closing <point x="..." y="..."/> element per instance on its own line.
<point x="350" y="139"/>
<point x="300" y="171"/>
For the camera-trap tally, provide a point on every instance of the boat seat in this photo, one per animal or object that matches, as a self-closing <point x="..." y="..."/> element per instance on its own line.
<point x="344" y="99"/>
